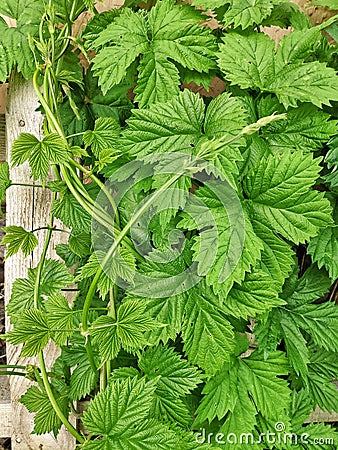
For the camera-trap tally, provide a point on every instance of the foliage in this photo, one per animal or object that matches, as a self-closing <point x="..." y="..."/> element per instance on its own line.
<point x="202" y="231"/>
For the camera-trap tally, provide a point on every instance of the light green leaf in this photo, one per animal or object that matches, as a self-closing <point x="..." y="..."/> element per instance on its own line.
<point x="277" y="255"/>
<point x="32" y="330"/>
<point x="250" y="63"/>
<point x="127" y="330"/>
<point x="306" y="82"/>
<point x="104" y="135"/>
<point x="120" y="414"/>
<point x="207" y="334"/>
<point x="70" y="212"/>
<point x="323" y="249"/>
<point x="5" y="180"/>
<point x="54" y="277"/>
<point x="280" y="195"/>
<point x="60" y="318"/>
<point x="176" y="376"/>
<point x="128" y="34"/>
<point x="18" y="238"/>
<point x="45" y="420"/>
<point x="255" y="295"/>
<point x="52" y="149"/>
<point x="158" y="79"/>
<point x="246" y="13"/>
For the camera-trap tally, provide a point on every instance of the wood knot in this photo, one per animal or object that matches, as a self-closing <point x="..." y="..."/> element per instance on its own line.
<point x="22" y="123"/>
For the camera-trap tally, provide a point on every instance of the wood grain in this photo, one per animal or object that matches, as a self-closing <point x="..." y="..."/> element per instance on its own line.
<point x="30" y="208"/>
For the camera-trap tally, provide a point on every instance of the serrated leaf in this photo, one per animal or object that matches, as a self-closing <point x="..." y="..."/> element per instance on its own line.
<point x="52" y="149"/>
<point x="306" y="82"/>
<point x="280" y="195"/>
<point x="32" y="330"/>
<point x="176" y="376"/>
<point x="255" y="295"/>
<point x="246" y="13"/>
<point x="296" y="347"/>
<point x="127" y="330"/>
<point x="125" y="406"/>
<point x="305" y="128"/>
<point x="250" y="63"/>
<point x="244" y="384"/>
<point x="54" y="277"/>
<point x="323" y="249"/>
<point x="18" y="238"/>
<point x="45" y="420"/>
<point x="60" y="318"/>
<point x="157" y="38"/>
<point x="70" y="212"/>
<point x="158" y="79"/>
<point x="5" y="180"/>
<point x="207" y="334"/>
<point x="277" y="255"/>
<point x="83" y="380"/>
<point x="104" y="135"/>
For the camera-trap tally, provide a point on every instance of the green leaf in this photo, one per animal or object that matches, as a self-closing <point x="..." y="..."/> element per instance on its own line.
<point x="52" y="149"/>
<point x="70" y="212"/>
<point x="160" y="41"/>
<point x="277" y="255"/>
<point x="18" y="238"/>
<point x="158" y="79"/>
<point x="83" y="379"/>
<point x="5" y="180"/>
<point x="280" y="195"/>
<point x="207" y="334"/>
<point x="45" y="420"/>
<point x="171" y="126"/>
<point x="296" y="347"/>
<point x="120" y="414"/>
<point x="176" y="376"/>
<point x="250" y="63"/>
<point x="127" y="330"/>
<point x="320" y="87"/>
<point x="255" y="295"/>
<point x="323" y="249"/>
<point x="331" y="159"/>
<point x="330" y="4"/>
<point x="104" y="135"/>
<point x="244" y="385"/>
<point x="60" y="318"/>
<point x="312" y="285"/>
<point x="32" y="330"/>
<point x="320" y="321"/>
<point x="305" y="128"/>
<point x="54" y="277"/>
<point x="244" y="14"/>
<point x="128" y="34"/>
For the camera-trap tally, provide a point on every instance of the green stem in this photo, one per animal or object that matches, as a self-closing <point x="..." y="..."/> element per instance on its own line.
<point x="20" y="374"/>
<point x="54" y="403"/>
<point x="75" y="134"/>
<point x="111" y="251"/>
<point x="11" y="366"/>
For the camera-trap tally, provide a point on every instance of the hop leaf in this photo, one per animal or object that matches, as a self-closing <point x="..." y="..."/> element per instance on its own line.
<point x="104" y="135"/>
<point x="280" y="195"/>
<point x="252" y="63"/>
<point x="126" y="331"/>
<point x="167" y="33"/>
<point x="18" y="238"/>
<point x="52" y="149"/>
<point x="120" y="415"/>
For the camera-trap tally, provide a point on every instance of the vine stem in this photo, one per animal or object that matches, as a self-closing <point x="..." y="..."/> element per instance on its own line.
<point x="111" y="251"/>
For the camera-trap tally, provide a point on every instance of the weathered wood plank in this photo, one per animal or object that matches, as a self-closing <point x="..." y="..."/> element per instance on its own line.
<point x="5" y="419"/>
<point x="29" y="208"/>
